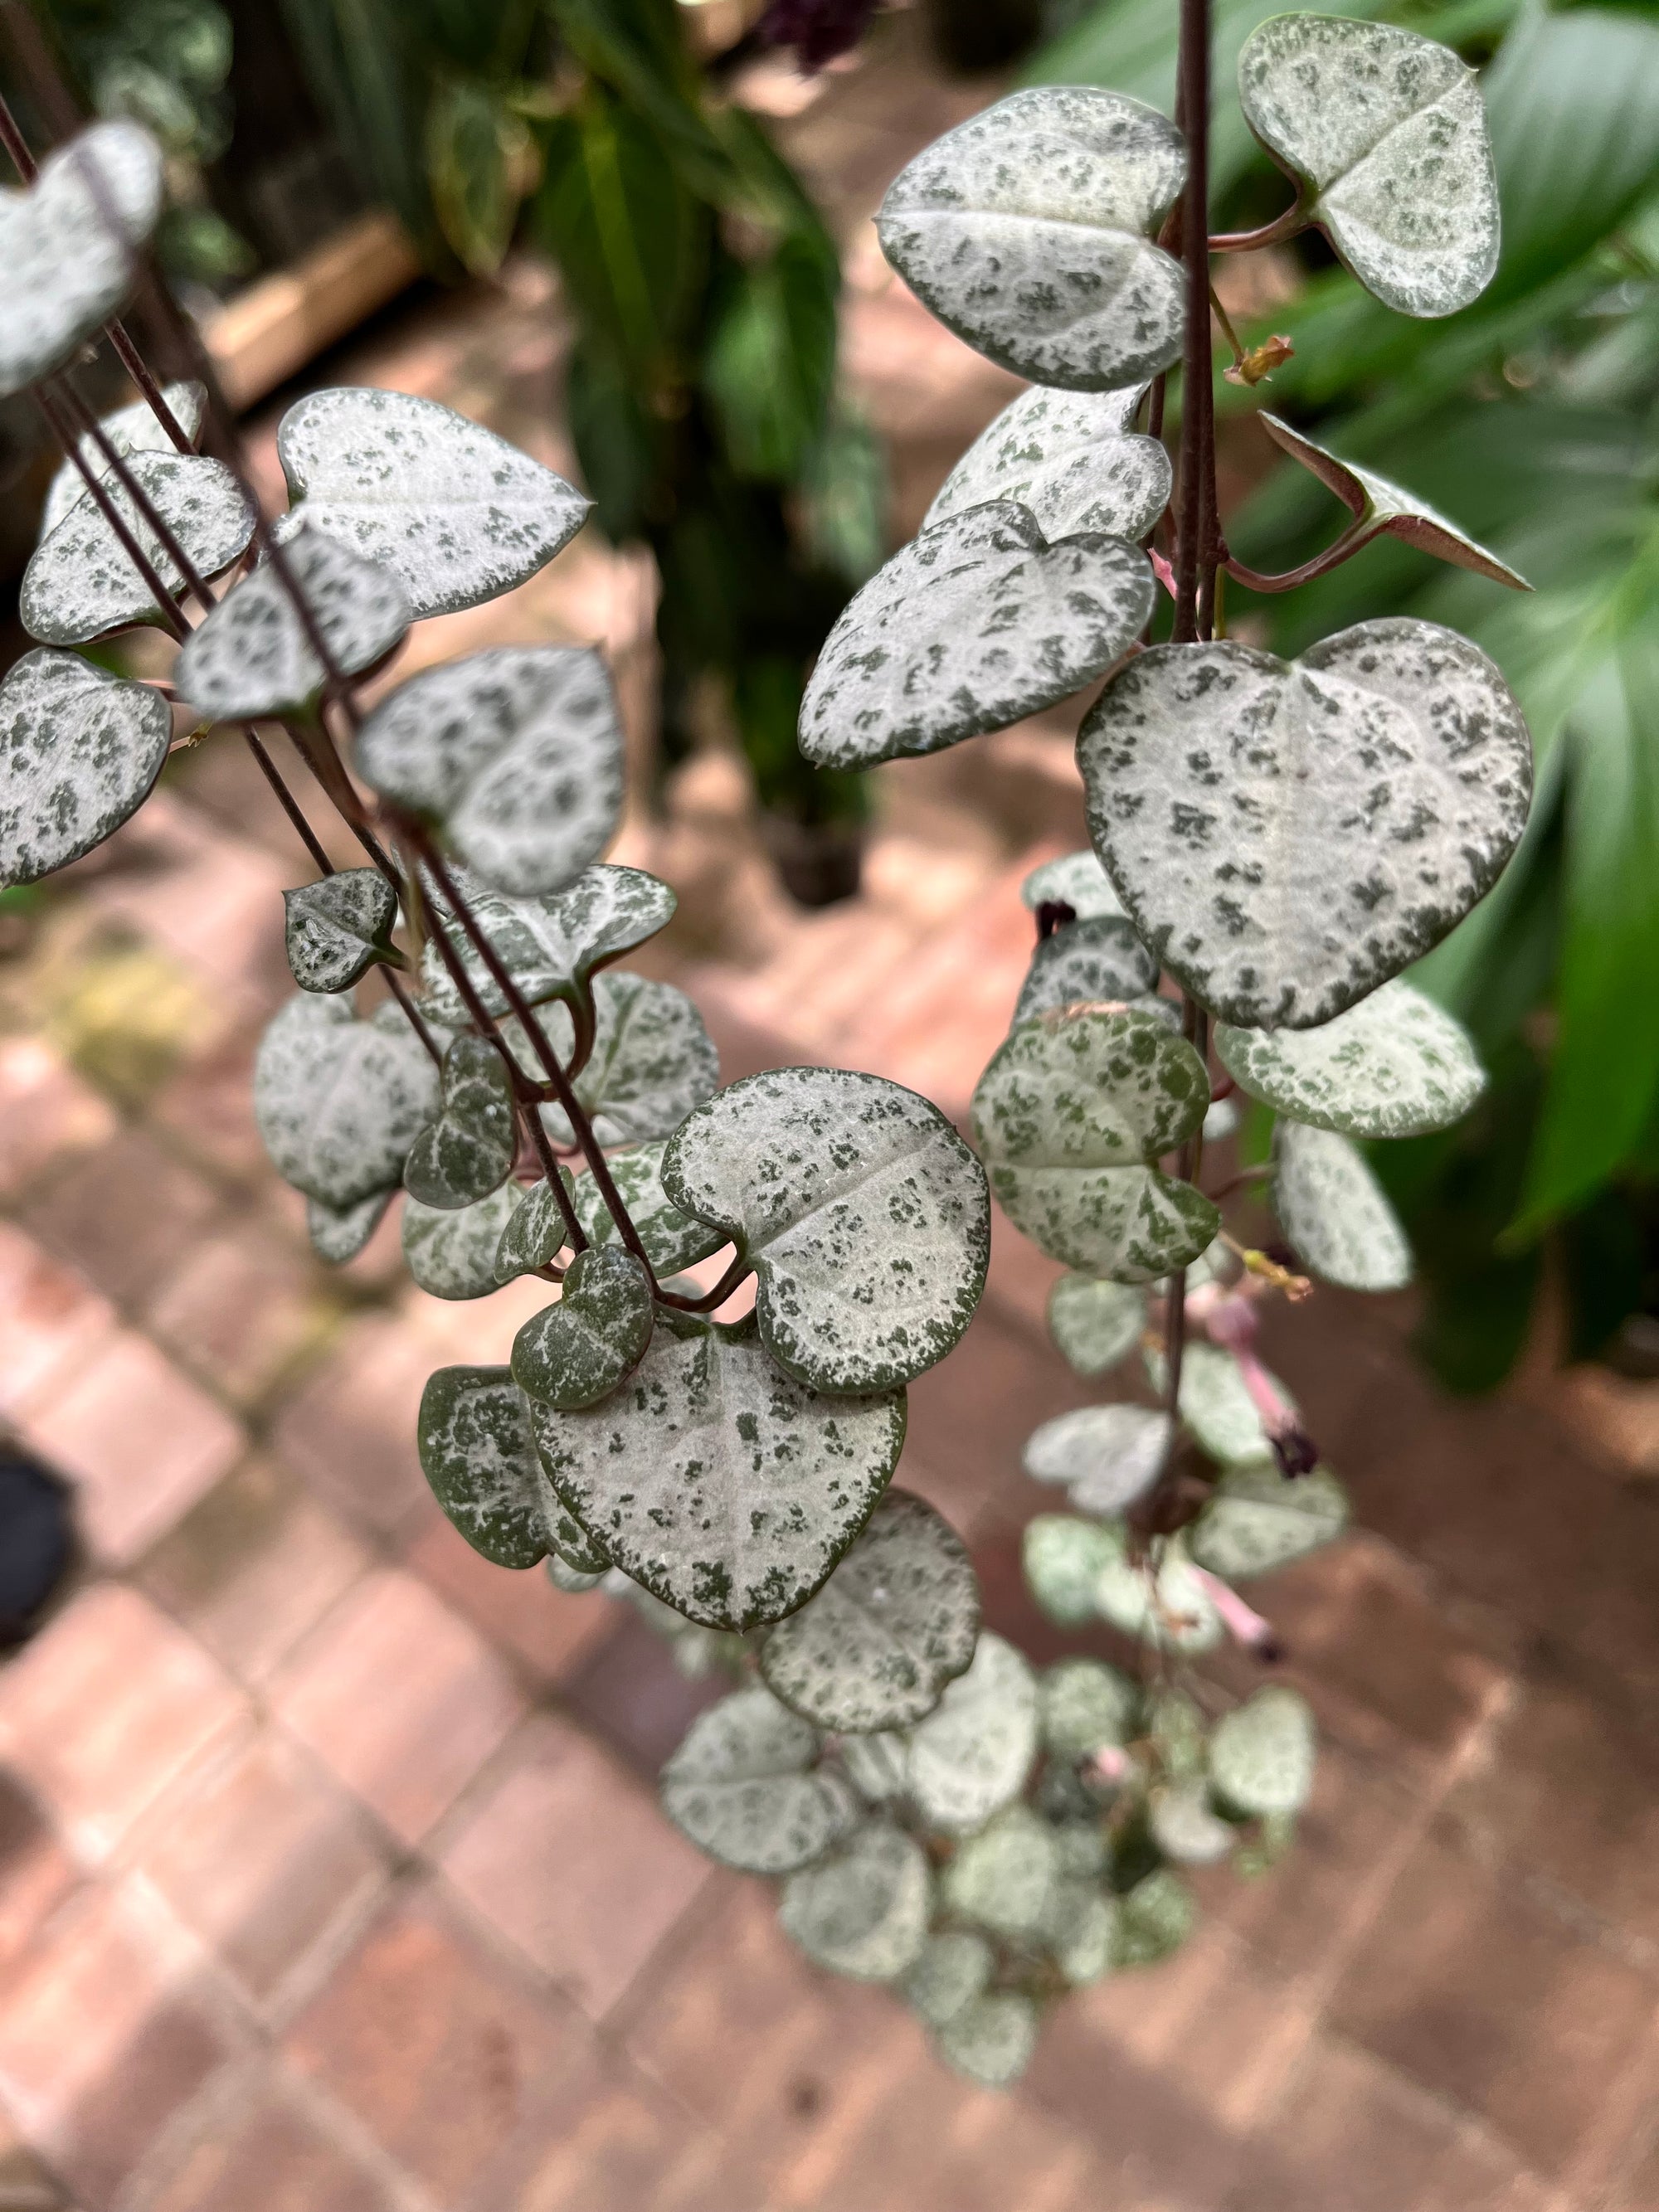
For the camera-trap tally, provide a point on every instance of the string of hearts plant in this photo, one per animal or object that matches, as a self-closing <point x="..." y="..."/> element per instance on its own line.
<point x="1272" y="844"/>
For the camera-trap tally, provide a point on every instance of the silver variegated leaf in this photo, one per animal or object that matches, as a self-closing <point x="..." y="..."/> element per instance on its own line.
<point x="1064" y="1560"/>
<point x="1261" y="1754"/>
<point x="550" y="946"/>
<point x="1086" y="963"/>
<point x="976" y="622"/>
<point x="1067" y="1118"/>
<point x="339" y="1101"/>
<point x="972" y="1754"/>
<point x="135" y="429"/>
<point x="863" y="1911"/>
<point x="1106" y="1456"/>
<point x="450" y="1250"/>
<point x="1085" y="1706"/>
<point x="80" y="751"/>
<point x="1082" y="1933"/>
<point x="1094" y="1325"/>
<point x="68" y="244"/>
<point x="1166" y="1607"/>
<point x="1288" y="835"/>
<point x="1216" y="1406"/>
<point x="514" y="755"/>
<point x="897" y="1621"/>
<point x="864" y="1214"/>
<point x="534" y="1235"/>
<point x="469" y="1151"/>
<point x="717" y="1480"/>
<point x="1335" y="1213"/>
<point x="338" y="1233"/>
<point x="674" y="1240"/>
<point x="1393" y="1065"/>
<point x="1386" y="133"/>
<point x="991" y="2038"/>
<point x="1076" y="880"/>
<point x="745" y="1787"/>
<point x="653" y="1060"/>
<point x="1071" y="459"/>
<point x="1186" y="1827"/>
<point x="81" y="581"/>
<point x="1027" y="231"/>
<point x="1154" y="1919"/>
<point x="579" y="1350"/>
<point x="956" y="1965"/>
<point x="1257" y="1519"/>
<point x="335" y="929"/>
<point x="473" y="1436"/>
<point x="1004" y="1878"/>
<point x="252" y="657"/>
<point x="456" y="514"/>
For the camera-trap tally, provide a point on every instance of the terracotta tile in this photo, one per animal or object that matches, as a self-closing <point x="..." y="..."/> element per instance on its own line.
<point x="269" y="2154"/>
<point x="263" y="1856"/>
<point x="104" y="1709"/>
<point x="399" y="1698"/>
<point x="125" y="1214"/>
<point x="350" y="1431"/>
<point x="52" y="1320"/>
<point x="627" y="1689"/>
<point x="206" y="1108"/>
<point x="47" y="1113"/>
<point x="254" y="1566"/>
<point x="549" y="1632"/>
<point x="614" y="2151"/>
<point x="438" y="2052"/>
<point x="139" y="1441"/>
<point x="36" y="1873"/>
<point x="27" y="2184"/>
<point x="569" y="1857"/>
<point x="240" y="1309"/>
<point x="128" y="1016"/>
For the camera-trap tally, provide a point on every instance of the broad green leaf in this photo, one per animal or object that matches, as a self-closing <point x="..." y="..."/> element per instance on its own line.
<point x="512" y="755"/>
<point x="863" y="1215"/>
<point x="549" y="946"/>
<point x="1186" y="1827"/>
<point x="1386" y="133"/>
<point x="80" y="751"/>
<point x="973" y="1753"/>
<point x="534" y="1235"/>
<point x="81" y="581"/>
<point x="473" y="1435"/>
<point x="715" y="1479"/>
<point x="1383" y="507"/>
<point x="1064" y="1560"/>
<point x="1027" y="231"/>
<point x="745" y="1786"/>
<point x="956" y="1965"/>
<point x="1084" y="964"/>
<point x="469" y="1151"/>
<point x="338" y="1233"/>
<point x="1261" y="1754"/>
<point x="975" y="623"/>
<point x="1215" y="1404"/>
<point x="862" y="1912"/>
<point x="132" y="429"/>
<point x="1095" y="1325"/>
<point x="1334" y="1212"/>
<point x="1076" y="880"/>
<point x="455" y="513"/>
<point x="68" y="244"/>
<point x="1082" y="1932"/>
<point x="653" y="1060"/>
<point x="579" y="1350"/>
<point x="1004" y="1878"/>
<point x="339" y="1101"/>
<point x="252" y="657"/>
<point x="1393" y="1065"/>
<point x="1086" y="1705"/>
<point x="1257" y="1519"/>
<point x="1106" y="1456"/>
<point x="991" y="2038"/>
<point x="336" y="929"/>
<point x="1166" y="1606"/>
<point x="673" y="1240"/>
<point x="1154" y="1918"/>
<point x="1397" y="772"/>
<point x="897" y="1619"/>
<point x="451" y="1251"/>
<point x="1068" y="1117"/>
<point x="1070" y="457"/>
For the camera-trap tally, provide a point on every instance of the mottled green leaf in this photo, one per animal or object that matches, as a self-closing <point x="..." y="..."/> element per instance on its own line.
<point x="534" y="1235"/>
<point x="973" y="1753"/>
<point x="473" y="1435"/>
<point x="336" y="929"/>
<point x="1166" y="1606"/>
<point x="1393" y="1065"/>
<point x="451" y="1251"/>
<point x="1215" y="1404"/>
<point x="339" y="1101"/>
<point x="571" y="1541"/>
<point x="135" y="429"/>
<point x="574" y="1581"/>
<point x="81" y="581"/>
<point x="1085" y="964"/>
<point x="80" y="751"/>
<point x="673" y="1240"/>
<point x="1261" y="1754"/>
<point x="955" y="1967"/>
<point x="1076" y="880"/>
<point x="1154" y="1918"/>
<point x="1186" y="1827"/>
<point x="1003" y="1878"/>
<point x="1082" y="1933"/>
<point x="338" y="1233"/>
<point x="549" y="946"/>
<point x="1257" y="1519"/>
<point x="653" y="1060"/>
<point x="1095" y="1325"/>
<point x="575" y="1352"/>
<point x="863" y="1911"/>
<point x="1064" y="1560"/>
<point x="1086" y="1705"/>
<point x="991" y="2038"/>
<point x="469" y="1151"/>
<point x="1334" y="1211"/>
<point x="1106" y="1456"/>
<point x="745" y="1788"/>
<point x="1071" y="459"/>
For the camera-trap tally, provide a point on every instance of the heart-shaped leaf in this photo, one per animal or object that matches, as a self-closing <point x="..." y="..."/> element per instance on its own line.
<point x="339" y="1101"/>
<point x="1086" y="963"/>
<point x="473" y="1435"/>
<point x="534" y="1233"/>
<point x="1166" y="1607"/>
<point x="336" y="929"/>
<point x="1381" y="507"/>
<point x="577" y="1352"/>
<point x="1393" y="1065"/>
<point x="653" y="1060"/>
<point x="1004" y="1878"/>
<point x="862" y="1912"/>
<point x="1085" y="1706"/>
<point x="1334" y="1211"/>
<point x="338" y="1233"/>
<point x="80" y="751"/>
<point x="1257" y="1519"/>
<point x="81" y="581"/>
<point x="1386" y="133"/>
<point x="956" y="1965"/>
<point x="1106" y="1456"/>
<point x="990" y="2040"/>
<point x="135" y="429"/>
<point x="1082" y="1933"/>
<point x="469" y="1151"/>
<point x="252" y="656"/>
<point x="1287" y="835"/>
<point x="1064" y="1560"/>
<point x="1155" y="1918"/>
<point x="863" y="1215"/>
<point x="456" y="514"/>
<point x="972" y="1754"/>
<point x="1068" y="1116"/>
<point x="513" y="755"/>
<point x="67" y="245"/>
<point x="549" y="946"/>
<point x="1216" y="1406"/>
<point x="1094" y="1325"/>
<point x="673" y="1240"/>
<point x="450" y="1250"/>
<point x="975" y="623"/>
<point x="1076" y="880"/>
<point x="1026" y="230"/>
<point x="1261" y="1754"/>
<point x="1071" y="459"/>
<point x="897" y="1619"/>
<point x="715" y="1479"/>
<point x="745" y="1786"/>
<point x="1185" y="1827"/>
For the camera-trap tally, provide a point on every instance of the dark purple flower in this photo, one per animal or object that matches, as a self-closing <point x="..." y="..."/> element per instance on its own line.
<point x="818" y="30"/>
